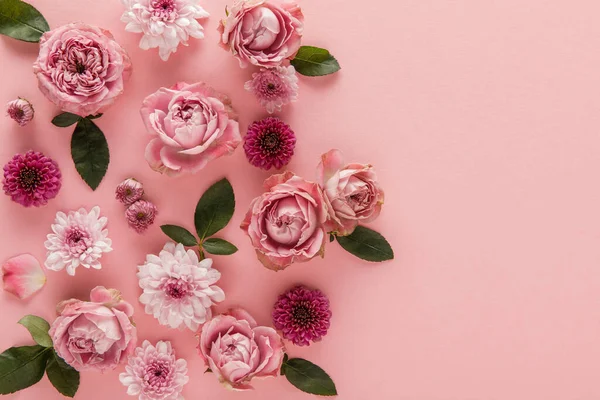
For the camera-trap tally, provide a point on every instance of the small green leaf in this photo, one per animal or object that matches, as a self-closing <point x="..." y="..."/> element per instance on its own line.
<point x="62" y="376"/>
<point x="21" y="21"/>
<point x="367" y="244"/>
<point x="219" y="247"/>
<point x="215" y="209"/>
<point x="89" y="151"/>
<point x="331" y="237"/>
<point x="94" y="116"/>
<point x="65" y="119"/>
<point x="179" y="235"/>
<point x="314" y="61"/>
<point x="285" y="359"/>
<point x="38" y="327"/>
<point x="308" y="377"/>
<point x="21" y="367"/>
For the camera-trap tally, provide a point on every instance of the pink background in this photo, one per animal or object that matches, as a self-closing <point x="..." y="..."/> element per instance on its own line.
<point x="482" y="119"/>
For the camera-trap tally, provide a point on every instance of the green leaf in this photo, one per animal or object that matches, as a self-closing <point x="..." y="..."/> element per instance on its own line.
<point x="308" y="377"/>
<point x="331" y="237"/>
<point x="179" y="235"/>
<point x="219" y="247"/>
<point x="215" y="209"/>
<point x="89" y="151"/>
<point x="65" y="119"/>
<point x="21" y="21"/>
<point x="38" y="327"/>
<point x="367" y="244"/>
<point x="62" y="376"/>
<point x="314" y="61"/>
<point x="21" y="367"/>
<point x="285" y="359"/>
<point x="94" y="116"/>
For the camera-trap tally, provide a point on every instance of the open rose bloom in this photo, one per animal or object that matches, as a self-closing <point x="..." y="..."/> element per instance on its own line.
<point x="94" y="335"/>
<point x="285" y="224"/>
<point x="80" y="68"/>
<point x="351" y="191"/>
<point x="191" y="124"/>
<point x="237" y="350"/>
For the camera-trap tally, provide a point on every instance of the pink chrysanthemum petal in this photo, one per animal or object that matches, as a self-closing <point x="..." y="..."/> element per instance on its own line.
<point x="274" y="87"/>
<point x="129" y="191"/>
<point x="269" y="143"/>
<point x="140" y="215"/>
<point x="23" y="276"/>
<point x="20" y="110"/>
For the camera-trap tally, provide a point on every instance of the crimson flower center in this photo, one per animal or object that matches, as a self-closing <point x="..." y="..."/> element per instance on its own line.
<point x="303" y="315"/>
<point x="29" y="178"/>
<point x="270" y="142"/>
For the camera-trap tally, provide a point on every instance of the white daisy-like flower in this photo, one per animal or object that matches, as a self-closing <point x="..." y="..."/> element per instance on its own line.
<point x="164" y="23"/>
<point x="178" y="288"/>
<point x="79" y="238"/>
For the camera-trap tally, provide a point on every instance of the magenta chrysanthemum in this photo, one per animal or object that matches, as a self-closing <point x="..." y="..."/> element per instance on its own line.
<point x="31" y="179"/>
<point x="269" y="143"/>
<point x="302" y="315"/>
<point x="140" y="215"/>
<point x="20" y="110"/>
<point x="274" y="87"/>
<point x="129" y="191"/>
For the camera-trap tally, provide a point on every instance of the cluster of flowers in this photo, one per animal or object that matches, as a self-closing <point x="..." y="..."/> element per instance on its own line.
<point x="140" y="213"/>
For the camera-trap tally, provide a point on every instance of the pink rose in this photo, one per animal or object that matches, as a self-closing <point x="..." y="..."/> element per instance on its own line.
<point x="94" y="335"/>
<point x="80" y="68"/>
<point x="351" y="191"/>
<point x="262" y="32"/>
<point x="193" y="125"/>
<point x="285" y="224"/>
<point x="237" y="350"/>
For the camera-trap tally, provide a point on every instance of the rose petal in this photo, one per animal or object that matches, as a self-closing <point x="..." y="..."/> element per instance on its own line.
<point x="23" y="276"/>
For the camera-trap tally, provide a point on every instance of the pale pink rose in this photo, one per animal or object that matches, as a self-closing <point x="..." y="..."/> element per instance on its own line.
<point x="192" y="124"/>
<point x="351" y="191"/>
<point x="23" y="276"/>
<point x="262" y="32"/>
<point x="94" y="335"/>
<point x="237" y="350"/>
<point x="80" y="68"/>
<point x="285" y="224"/>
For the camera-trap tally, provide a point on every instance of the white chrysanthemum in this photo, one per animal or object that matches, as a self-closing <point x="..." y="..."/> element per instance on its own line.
<point x="178" y="288"/>
<point x="164" y="23"/>
<point x="79" y="238"/>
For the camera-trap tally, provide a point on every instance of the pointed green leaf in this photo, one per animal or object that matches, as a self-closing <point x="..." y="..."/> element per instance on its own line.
<point x="62" y="376"/>
<point x="308" y="377"/>
<point x="89" y="151"/>
<point x="314" y="61"/>
<point x="367" y="244"/>
<point x="94" y="116"/>
<point x="21" y="21"/>
<point x="179" y="235"/>
<point x="219" y="247"/>
<point x="65" y="119"/>
<point x="21" y="367"/>
<point x="38" y="327"/>
<point x="215" y="209"/>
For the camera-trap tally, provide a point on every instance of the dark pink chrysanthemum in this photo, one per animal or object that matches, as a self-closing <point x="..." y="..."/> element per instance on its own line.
<point x="140" y="215"/>
<point x="31" y="179"/>
<point x="20" y="110"/>
<point x="302" y="315"/>
<point x="129" y="191"/>
<point x="274" y="87"/>
<point x="269" y="143"/>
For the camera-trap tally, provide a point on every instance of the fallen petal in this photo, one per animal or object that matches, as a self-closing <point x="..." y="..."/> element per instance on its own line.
<point x="23" y="276"/>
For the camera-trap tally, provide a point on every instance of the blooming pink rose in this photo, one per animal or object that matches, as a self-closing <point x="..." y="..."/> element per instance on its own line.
<point x="193" y="125"/>
<point x="237" y="350"/>
<point x="351" y="191"/>
<point x="97" y="334"/>
<point x="285" y="224"/>
<point x="80" y="68"/>
<point x="262" y="32"/>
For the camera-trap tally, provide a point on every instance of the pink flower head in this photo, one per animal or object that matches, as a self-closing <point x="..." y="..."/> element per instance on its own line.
<point x="23" y="276"/>
<point x="31" y="179"/>
<point x="191" y="124"/>
<point x="140" y="215"/>
<point x="274" y="87"/>
<point x="269" y="143"/>
<point x="262" y="32"/>
<point x="94" y="335"/>
<point x="352" y="192"/>
<point x="285" y="224"/>
<point x="154" y="373"/>
<point x="80" y="68"/>
<point x="302" y="315"/>
<point x="237" y="350"/>
<point x="20" y="110"/>
<point x="129" y="191"/>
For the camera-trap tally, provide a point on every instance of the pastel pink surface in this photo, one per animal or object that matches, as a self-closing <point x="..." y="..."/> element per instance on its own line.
<point x="482" y="120"/>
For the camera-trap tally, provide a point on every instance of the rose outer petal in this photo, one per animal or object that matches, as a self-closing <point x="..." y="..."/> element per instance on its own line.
<point x="23" y="276"/>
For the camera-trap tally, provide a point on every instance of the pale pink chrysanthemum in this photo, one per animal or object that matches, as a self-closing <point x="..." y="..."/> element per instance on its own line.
<point x="129" y="191"/>
<point x="274" y="87"/>
<point x="179" y="289"/>
<point x="154" y="373"/>
<point x="23" y="276"/>
<point x="78" y="238"/>
<point x="140" y="215"/>
<point x="20" y="110"/>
